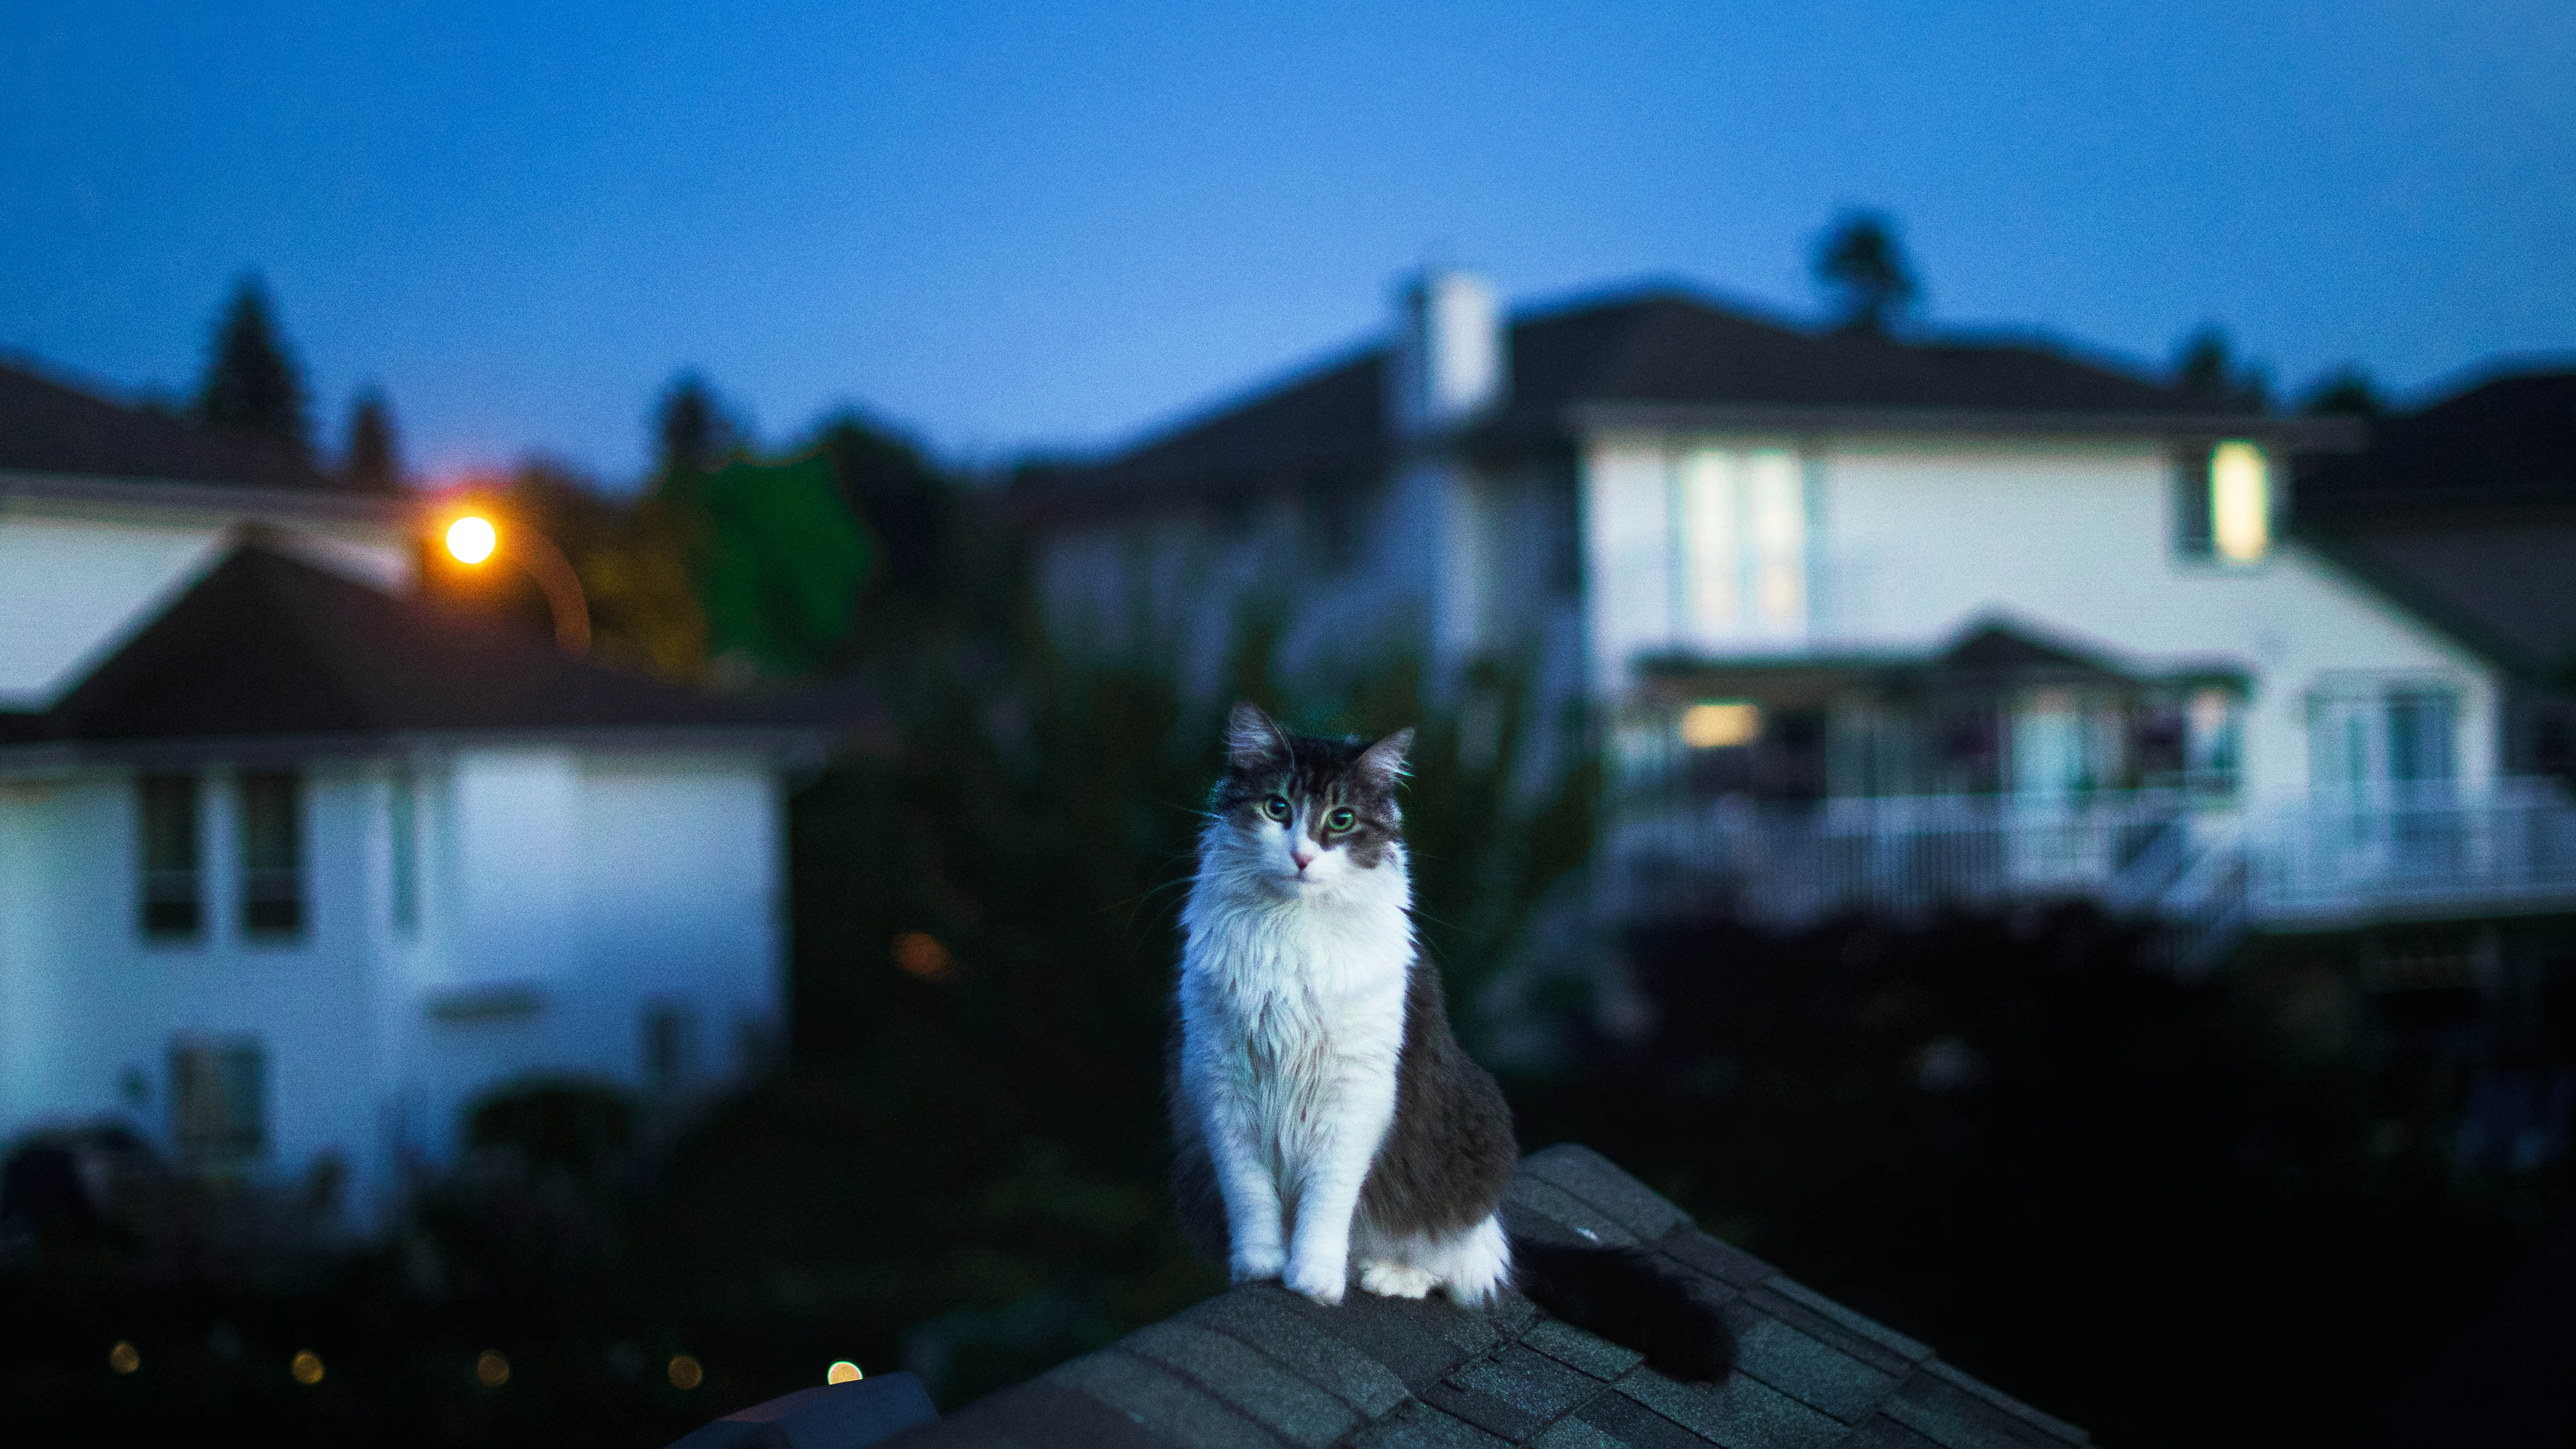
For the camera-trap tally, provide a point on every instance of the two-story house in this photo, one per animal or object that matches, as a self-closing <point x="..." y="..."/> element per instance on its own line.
<point x="1858" y="619"/>
<point x="296" y="868"/>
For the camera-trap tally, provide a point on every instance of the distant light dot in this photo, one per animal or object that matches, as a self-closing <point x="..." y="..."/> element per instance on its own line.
<point x="471" y="539"/>
<point x="491" y="1369"/>
<point x="842" y="1373"/>
<point x="921" y="954"/>
<point x="123" y="1359"/>
<point x="306" y="1366"/>
<point x="685" y="1372"/>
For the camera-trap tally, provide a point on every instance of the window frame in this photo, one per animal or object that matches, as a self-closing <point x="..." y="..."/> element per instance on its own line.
<point x="158" y="882"/>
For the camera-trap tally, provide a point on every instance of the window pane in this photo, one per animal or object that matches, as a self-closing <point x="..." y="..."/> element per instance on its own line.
<point x="171" y="901"/>
<point x="1779" y="500"/>
<point x="1709" y="540"/>
<point x="2192" y="505"/>
<point x="218" y="1100"/>
<point x="272" y="848"/>
<point x="2419" y="735"/>
<point x="2240" y="501"/>
<point x="402" y="807"/>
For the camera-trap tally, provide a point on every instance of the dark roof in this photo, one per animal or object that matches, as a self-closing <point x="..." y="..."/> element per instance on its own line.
<point x="1260" y="1366"/>
<point x="2466" y="512"/>
<point x="2504" y="446"/>
<point x="1657" y="351"/>
<point x="47" y="427"/>
<point x="267" y="645"/>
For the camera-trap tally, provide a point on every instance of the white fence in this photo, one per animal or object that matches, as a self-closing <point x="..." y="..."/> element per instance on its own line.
<point x="2207" y="873"/>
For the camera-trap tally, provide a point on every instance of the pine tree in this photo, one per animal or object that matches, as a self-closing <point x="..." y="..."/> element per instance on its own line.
<point x="691" y="428"/>
<point x="1862" y="263"/>
<point x="373" y="459"/>
<point x="252" y="385"/>
<point x="2205" y="369"/>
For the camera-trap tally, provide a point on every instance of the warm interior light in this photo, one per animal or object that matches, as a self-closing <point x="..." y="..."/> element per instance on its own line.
<point x="685" y="1372"/>
<point x="844" y="1372"/>
<point x="1719" y="723"/>
<point x="306" y="1367"/>
<point x="491" y="1369"/>
<point x="2240" y="502"/>
<point x="123" y="1359"/>
<point x="471" y="539"/>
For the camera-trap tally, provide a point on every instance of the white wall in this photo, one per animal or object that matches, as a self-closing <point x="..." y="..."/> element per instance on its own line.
<point x="1914" y="540"/>
<point x="609" y="882"/>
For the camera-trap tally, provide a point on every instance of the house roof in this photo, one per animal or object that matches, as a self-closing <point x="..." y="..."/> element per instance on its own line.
<point x="47" y="427"/>
<point x="2466" y="512"/>
<point x="268" y="645"/>
<point x="2504" y="446"/>
<point x="1658" y="358"/>
<point x="1260" y="1366"/>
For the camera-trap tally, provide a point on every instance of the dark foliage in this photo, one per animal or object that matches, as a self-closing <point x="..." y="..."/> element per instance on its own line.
<point x="1863" y="265"/>
<point x="251" y="384"/>
<point x="372" y="458"/>
<point x="2346" y="393"/>
<point x="2205" y="369"/>
<point x="2111" y="1194"/>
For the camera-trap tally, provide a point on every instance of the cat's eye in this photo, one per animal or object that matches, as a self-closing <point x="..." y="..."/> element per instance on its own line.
<point x="1276" y="807"/>
<point x="1340" y="820"/>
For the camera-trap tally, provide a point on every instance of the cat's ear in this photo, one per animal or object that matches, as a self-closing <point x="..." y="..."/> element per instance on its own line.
<point x="1251" y="740"/>
<point x="1383" y="762"/>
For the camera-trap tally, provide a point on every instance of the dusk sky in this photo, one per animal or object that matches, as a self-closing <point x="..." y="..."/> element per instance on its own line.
<point x="1052" y="226"/>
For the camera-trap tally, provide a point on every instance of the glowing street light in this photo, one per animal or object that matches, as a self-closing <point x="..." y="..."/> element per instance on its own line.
<point x="472" y="539"/>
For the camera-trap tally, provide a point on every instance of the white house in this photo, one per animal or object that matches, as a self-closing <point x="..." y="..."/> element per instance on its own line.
<point x="294" y="867"/>
<point x="1858" y="619"/>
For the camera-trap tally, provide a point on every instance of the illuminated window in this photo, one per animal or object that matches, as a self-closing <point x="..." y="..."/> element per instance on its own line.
<point x="173" y="900"/>
<point x="1742" y="527"/>
<point x="218" y="1100"/>
<point x="1718" y="724"/>
<point x="2223" y="504"/>
<point x="272" y="853"/>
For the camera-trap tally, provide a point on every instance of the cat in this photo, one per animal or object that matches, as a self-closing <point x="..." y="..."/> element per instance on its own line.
<point x="1325" y="1117"/>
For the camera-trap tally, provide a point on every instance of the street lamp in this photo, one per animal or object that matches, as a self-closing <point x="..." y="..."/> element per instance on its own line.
<point x="472" y="539"/>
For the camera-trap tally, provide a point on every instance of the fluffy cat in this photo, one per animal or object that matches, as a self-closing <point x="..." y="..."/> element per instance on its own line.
<point x="1325" y="1117"/>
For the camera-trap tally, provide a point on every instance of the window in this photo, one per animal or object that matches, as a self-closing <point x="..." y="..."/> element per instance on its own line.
<point x="2365" y="739"/>
<point x="2223" y="504"/>
<point x="218" y="1100"/>
<point x="272" y="853"/>
<point x="402" y="829"/>
<point x="1743" y="530"/>
<point x="173" y="900"/>
<point x="1717" y="724"/>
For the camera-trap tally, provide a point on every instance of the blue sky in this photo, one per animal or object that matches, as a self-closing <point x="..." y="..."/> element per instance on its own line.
<point x="1007" y="226"/>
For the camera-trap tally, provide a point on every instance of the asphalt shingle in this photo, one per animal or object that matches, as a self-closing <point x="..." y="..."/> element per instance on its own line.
<point x="1252" y="1316"/>
<point x="1534" y="1384"/>
<point x="1575" y="1348"/>
<point x="1251" y="1381"/>
<point x="1589" y="1177"/>
<point x="1163" y="1402"/>
<point x="1419" y="1426"/>
<point x="1741" y="1413"/>
<point x="1807" y="1370"/>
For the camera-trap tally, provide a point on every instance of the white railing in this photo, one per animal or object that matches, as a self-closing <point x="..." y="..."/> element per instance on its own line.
<point x="2206" y="873"/>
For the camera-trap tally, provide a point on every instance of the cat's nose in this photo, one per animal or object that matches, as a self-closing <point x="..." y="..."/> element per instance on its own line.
<point x="1304" y="854"/>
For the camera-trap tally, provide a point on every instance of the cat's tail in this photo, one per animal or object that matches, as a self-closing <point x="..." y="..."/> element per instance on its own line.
<point x="1626" y="1297"/>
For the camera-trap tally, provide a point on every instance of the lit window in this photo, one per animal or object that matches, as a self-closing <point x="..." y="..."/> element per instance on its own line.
<point x="2240" y="502"/>
<point x="272" y="853"/>
<point x="1719" y="724"/>
<point x="1743" y="542"/>
<point x="173" y="903"/>
<point x="218" y="1100"/>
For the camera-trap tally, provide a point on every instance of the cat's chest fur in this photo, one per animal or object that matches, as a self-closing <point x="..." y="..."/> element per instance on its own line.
<point x="1293" y="1018"/>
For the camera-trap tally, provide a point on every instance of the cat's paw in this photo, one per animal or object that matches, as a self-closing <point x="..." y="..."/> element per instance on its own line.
<point x="1396" y="1280"/>
<point x="1322" y="1282"/>
<point x="1256" y="1265"/>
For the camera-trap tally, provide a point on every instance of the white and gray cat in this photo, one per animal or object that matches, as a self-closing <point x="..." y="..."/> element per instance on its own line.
<point x="1326" y="1118"/>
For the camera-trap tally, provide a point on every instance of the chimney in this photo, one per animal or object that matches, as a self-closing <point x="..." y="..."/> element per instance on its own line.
<point x="1449" y="364"/>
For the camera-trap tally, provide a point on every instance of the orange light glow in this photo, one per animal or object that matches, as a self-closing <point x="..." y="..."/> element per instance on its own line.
<point x="844" y="1372"/>
<point x="472" y="539"/>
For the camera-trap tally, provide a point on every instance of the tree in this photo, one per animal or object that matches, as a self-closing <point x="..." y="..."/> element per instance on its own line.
<point x="373" y="457"/>
<point x="2205" y="370"/>
<point x="1863" y="264"/>
<point x="691" y="428"/>
<point x="2346" y="392"/>
<point x="252" y="384"/>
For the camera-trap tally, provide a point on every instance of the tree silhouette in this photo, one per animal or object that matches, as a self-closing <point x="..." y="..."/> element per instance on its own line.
<point x="691" y="428"/>
<point x="1862" y="263"/>
<point x="2205" y="370"/>
<point x="373" y="458"/>
<point x="2346" y="392"/>
<point x="251" y="384"/>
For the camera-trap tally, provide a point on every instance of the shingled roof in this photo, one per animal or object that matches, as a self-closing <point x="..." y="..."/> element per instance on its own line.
<point x="267" y="644"/>
<point x="48" y="427"/>
<point x="1653" y="352"/>
<point x="1260" y="1367"/>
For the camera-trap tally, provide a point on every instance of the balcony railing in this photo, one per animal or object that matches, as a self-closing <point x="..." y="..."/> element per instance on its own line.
<point x="2423" y="851"/>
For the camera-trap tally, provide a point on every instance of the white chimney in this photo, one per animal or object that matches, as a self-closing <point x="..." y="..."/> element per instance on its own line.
<point x="1448" y="362"/>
